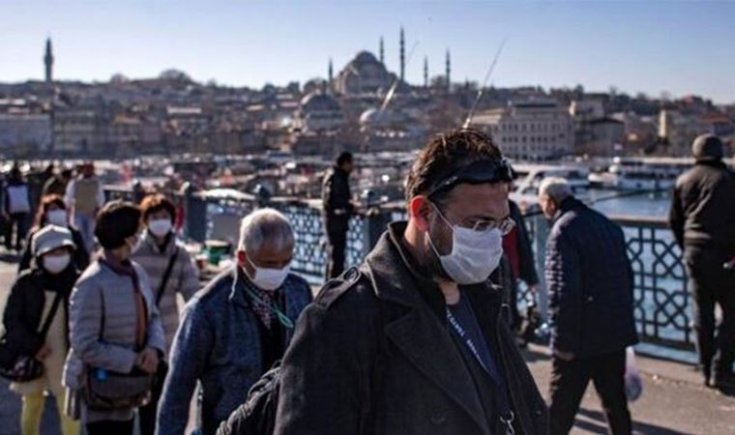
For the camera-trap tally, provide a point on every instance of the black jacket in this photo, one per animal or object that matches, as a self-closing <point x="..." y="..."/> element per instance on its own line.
<point x="703" y="207"/>
<point x="373" y="355"/>
<point x="527" y="270"/>
<point x="80" y="258"/>
<point x="336" y="195"/>
<point x="23" y="312"/>
<point x="590" y="282"/>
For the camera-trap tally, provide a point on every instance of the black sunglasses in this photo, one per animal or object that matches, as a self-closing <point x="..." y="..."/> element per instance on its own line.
<point x="481" y="171"/>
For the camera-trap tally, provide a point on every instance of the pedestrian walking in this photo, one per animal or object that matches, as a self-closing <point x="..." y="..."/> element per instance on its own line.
<point x="171" y="271"/>
<point x="117" y="339"/>
<point x="84" y="198"/>
<point x="413" y="340"/>
<point x="52" y="211"/>
<point x="236" y="328"/>
<point x="39" y="301"/>
<point x="702" y="218"/>
<point x="337" y="209"/>
<point x="590" y="282"/>
<point x="17" y="209"/>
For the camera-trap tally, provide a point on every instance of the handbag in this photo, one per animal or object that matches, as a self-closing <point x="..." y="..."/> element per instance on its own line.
<point x="105" y="390"/>
<point x="25" y="368"/>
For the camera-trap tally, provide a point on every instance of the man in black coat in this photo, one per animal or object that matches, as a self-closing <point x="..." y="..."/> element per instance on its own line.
<point x="412" y="341"/>
<point x="702" y="218"/>
<point x="336" y="198"/>
<point x="590" y="284"/>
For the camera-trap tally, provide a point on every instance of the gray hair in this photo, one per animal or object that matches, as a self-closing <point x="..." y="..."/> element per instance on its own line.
<point x="556" y="188"/>
<point x="265" y="225"/>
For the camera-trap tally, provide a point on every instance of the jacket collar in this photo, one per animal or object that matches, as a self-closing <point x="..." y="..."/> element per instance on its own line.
<point x="150" y="242"/>
<point x="568" y="204"/>
<point x="396" y="277"/>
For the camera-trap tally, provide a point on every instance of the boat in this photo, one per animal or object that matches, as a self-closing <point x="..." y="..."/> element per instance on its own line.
<point x="654" y="174"/>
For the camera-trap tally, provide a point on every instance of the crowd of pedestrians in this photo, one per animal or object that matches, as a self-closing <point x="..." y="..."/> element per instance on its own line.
<point x="414" y="340"/>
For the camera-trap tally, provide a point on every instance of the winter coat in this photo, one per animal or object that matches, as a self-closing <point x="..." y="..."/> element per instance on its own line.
<point x="702" y="207"/>
<point x="183" y="280"/>
<point x="219" y="344"/>
<point x="590" y="282"/>
<point x="373" y="355"/>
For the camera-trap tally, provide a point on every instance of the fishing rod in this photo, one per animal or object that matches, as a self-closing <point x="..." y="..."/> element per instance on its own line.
<point x="396" y="82"/>
<point x="606" y="198"/>
<point x="391" y="93"/>
<point x="481" y="91"/>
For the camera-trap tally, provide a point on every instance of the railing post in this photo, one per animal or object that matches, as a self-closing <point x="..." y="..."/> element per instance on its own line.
<point x="195" y="212"/>
<point x="540" y="235"/>
<point x="375" y="223"/>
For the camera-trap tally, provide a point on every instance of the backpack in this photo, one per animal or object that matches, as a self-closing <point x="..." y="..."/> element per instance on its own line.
<point x="257" y="416"/>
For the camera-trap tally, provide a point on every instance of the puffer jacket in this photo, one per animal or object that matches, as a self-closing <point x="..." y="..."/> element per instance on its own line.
<point x="103" y="324"/>
<point x="184" y="278"/>
<point x="590" y="282"/>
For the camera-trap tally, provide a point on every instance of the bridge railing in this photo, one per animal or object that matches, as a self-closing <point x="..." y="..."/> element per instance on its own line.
<point x="662" y="303"/>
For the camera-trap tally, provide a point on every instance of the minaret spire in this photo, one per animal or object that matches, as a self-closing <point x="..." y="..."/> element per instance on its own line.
<point x="381" y="51"/>
<point x="426" y="72"/>
<point x="48" y="61"/>
<point x="403" y="55"/>
<point x="330" y="72"/>
<point x="449" y="71"/>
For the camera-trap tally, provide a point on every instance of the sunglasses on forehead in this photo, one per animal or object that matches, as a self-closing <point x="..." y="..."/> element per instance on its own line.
<point x="481" y="171"/>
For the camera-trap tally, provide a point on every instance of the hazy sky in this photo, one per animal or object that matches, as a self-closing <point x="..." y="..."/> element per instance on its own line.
<point x="648" y="46"/>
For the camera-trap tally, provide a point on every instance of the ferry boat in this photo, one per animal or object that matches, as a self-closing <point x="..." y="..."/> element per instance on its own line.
<point x="654" y="174"/>
<point x="525" y="193"/>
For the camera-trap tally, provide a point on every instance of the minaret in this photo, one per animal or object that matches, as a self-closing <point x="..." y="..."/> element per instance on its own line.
<point x="449" y="71"/>
<point x="48" y="61"/>
<point x="426" y="72"/>
<point x="330" y="72"/>
<point x="381" y="51"/>
<point x="403" y="55"/>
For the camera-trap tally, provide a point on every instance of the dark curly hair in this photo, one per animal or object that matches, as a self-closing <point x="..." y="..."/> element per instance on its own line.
<point x="443" y="155"/>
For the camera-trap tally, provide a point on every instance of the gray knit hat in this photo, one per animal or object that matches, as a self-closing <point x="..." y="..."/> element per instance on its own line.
<point x="49" y="238"/>
<point x="707" y="147"/>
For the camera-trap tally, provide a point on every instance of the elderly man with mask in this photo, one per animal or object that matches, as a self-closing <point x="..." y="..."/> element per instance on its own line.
<point x="236" y="328"/>
<point x="412" y="341"/>
<point x="590" y="284"/>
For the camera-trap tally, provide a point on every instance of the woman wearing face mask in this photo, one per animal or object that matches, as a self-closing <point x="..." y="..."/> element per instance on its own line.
<point x="52" y="211"/>
<point x="115" y="330"/>
<point x="171" y="270"/>
<point x="33" y="302"/>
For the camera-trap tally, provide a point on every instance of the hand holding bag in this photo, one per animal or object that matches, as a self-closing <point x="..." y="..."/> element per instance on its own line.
<point x="105" y="390"/>
<point x="25" y="368"/>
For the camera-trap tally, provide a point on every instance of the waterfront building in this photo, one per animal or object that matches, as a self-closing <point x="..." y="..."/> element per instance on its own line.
<point x="532" y="130"/>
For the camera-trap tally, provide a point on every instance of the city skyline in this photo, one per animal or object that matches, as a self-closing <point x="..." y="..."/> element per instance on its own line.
<point x="674" y="47"/>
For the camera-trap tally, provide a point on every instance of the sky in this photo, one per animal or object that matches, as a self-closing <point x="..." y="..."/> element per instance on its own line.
<point x="637" y="46"/>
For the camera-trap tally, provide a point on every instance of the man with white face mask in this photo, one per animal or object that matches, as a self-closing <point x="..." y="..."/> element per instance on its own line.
<point x="172" y="272"/>
<point x="412" y="341"/>
<point x="236" y="328"/>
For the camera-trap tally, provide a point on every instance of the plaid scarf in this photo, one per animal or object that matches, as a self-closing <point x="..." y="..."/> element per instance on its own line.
<point x="261" y="309"/>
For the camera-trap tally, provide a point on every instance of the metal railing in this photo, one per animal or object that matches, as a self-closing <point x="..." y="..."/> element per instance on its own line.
<point x="662" y="303"/>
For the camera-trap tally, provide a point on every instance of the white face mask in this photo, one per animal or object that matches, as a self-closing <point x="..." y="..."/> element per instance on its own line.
<point x="57" y="217"/>
<point x="475" y="254"/>
<point x="56" y="264"/>
<point x="160" y="227"/>
<point x="268" y="279"/>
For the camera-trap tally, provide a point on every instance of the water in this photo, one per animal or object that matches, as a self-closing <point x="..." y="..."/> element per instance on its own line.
<point x="617" y="203"/>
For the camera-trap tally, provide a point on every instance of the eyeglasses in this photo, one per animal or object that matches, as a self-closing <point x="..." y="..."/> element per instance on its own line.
<point x="505" y="225"/>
